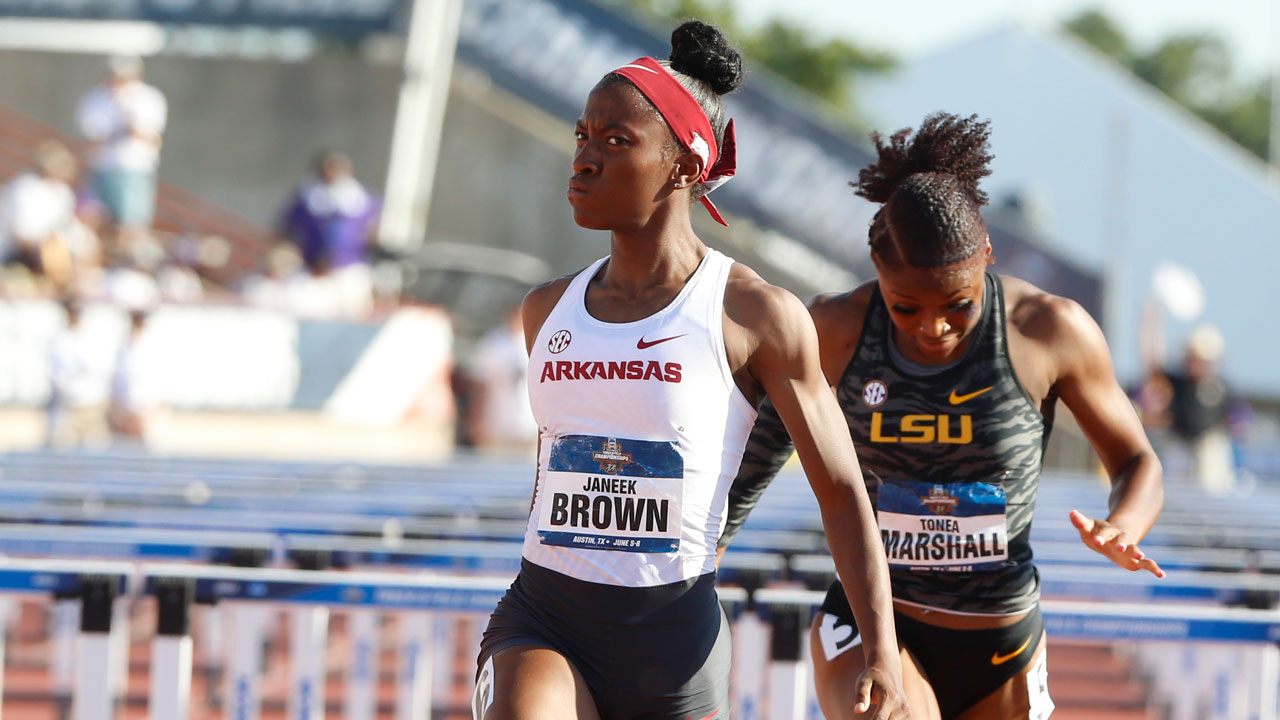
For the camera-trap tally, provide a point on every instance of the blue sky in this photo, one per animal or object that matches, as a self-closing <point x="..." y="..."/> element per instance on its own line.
<point x="910" y="27"/>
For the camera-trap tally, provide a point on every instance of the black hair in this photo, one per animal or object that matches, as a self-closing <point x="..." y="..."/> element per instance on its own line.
<point x="929" y="186"/>
<point x="705" y="64"/>
<point x="324" y="157"/>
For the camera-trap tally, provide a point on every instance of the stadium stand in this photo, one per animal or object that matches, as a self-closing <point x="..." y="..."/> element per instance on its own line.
<point x="178" y="212"/>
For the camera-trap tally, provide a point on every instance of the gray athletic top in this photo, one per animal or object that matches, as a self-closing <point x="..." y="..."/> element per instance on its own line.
<point x="951" y="461"/>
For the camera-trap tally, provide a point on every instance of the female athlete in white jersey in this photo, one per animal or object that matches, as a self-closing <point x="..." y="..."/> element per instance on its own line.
<point x="645" y="371"/>
<point x="948" y="376"/>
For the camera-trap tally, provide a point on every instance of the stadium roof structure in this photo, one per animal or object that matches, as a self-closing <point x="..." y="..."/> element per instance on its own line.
<point x="794" y="160"/>
<point x="1130" y="178"/>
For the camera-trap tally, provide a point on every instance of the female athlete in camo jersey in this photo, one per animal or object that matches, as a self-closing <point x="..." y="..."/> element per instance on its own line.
<point x="948" y="376"/>
<point x="645" y="372"/>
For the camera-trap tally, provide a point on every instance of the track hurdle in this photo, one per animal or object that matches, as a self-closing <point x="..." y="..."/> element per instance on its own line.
<point x="1256" y="631"/>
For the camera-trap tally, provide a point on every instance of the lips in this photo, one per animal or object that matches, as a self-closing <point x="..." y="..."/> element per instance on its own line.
<point x="937" y="345"/>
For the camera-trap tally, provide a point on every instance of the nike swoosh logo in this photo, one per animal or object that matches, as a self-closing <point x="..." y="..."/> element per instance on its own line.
<point x="957" y="399"/>
<point x="998" y="659"/>
<point x="641" y="344"/>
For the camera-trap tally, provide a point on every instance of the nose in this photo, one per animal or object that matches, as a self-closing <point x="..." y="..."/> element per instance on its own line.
<point x="585" y="160"/>
<point x="935" y="327"/>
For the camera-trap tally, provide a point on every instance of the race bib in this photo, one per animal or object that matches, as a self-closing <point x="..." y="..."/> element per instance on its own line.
<point x="612" y="494"/>
<point x="954" y="526"/>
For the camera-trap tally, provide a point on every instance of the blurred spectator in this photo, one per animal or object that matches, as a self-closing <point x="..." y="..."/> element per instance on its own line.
<point x="134" y="394"/>
<point x="123" y="119"/>
<point x="1152" y="399"/>
<point x="213" y="254"/>
<point x="84" y="237"/>
<point x="1200" y="410"/>
<point x="178" y="278"/>
<point x="272" y="290"/>
<point x="37" y="214"/>
<point x="78" y="386"/>
<point x="331" y="218"/>
<point x="179" y="283"/>
<point x="499" y="417"/>
<point x="132" y="284"/>
<point x="286" y="287"/>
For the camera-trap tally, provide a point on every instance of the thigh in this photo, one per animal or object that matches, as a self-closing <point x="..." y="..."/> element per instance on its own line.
<point x="677" y="671"/>
<point x="528" y="682"/>
<point x="1024" y="696"/>
<point x="838" y="660"/>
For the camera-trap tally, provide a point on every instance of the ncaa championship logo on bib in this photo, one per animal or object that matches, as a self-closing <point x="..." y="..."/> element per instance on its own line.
<point x="953" y="526"/>
<point x="612" y="494"/>
<point x="875" y="393"/>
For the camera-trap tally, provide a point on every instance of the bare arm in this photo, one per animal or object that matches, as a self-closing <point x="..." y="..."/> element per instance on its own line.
<point x="838" y="320"/>
<point x="786" y="365"/>
<point x="1087" y="384"/>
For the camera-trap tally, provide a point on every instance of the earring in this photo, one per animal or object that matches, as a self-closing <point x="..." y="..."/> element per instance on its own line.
<point x="676" y="183"/>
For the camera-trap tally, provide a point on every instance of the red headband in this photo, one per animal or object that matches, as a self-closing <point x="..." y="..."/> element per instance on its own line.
<point x="688" y="122"/>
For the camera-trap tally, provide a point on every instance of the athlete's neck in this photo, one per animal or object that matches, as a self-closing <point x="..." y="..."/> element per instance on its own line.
<point x="638" y="264"/>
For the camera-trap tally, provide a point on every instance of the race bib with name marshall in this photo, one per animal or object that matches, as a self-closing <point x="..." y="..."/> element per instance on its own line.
<point x="954" y="526"/>
<point x="604" y="493"/>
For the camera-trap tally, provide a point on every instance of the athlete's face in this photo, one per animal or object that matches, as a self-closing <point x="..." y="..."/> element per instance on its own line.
<point x="623" y="166"/>
<point x="934" y="310"/>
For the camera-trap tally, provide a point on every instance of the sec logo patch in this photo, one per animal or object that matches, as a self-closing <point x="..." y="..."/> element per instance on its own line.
<point x="559" y="342"/>
<point x="875" y="393"/>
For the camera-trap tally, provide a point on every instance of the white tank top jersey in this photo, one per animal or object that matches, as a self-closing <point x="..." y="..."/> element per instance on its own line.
<point x="642" y="430"/>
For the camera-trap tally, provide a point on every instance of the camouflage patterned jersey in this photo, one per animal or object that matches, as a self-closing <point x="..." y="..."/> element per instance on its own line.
<point x="951" y="461"/>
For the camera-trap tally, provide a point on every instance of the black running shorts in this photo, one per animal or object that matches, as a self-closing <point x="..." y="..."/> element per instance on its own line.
<point x="655" y="653"/>
<point x="962" y="666"/>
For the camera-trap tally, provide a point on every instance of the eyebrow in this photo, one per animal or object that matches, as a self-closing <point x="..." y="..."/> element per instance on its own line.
<point x="581" y="122"/>
<point x="905" y="296"/>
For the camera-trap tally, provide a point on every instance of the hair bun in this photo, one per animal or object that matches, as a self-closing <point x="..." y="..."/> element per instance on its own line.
<point x="701" y="51"/>
<point x="945" y="144"/>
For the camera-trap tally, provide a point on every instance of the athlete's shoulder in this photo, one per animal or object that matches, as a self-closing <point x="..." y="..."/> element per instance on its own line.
<point x="758" y="306"/>
<point x="548" y="293"/>
<point x="539" y="302"/>
<point x="1058" y="323"/>
<point x="838" y="319"/>
<point x="842" y="313"/>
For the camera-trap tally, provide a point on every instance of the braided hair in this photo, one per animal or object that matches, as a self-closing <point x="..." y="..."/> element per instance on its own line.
<point x="928" y="185"/>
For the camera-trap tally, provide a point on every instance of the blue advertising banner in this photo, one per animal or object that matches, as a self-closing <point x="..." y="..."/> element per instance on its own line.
<point x="342" y="17"/>
<point x="1138" y="627"/>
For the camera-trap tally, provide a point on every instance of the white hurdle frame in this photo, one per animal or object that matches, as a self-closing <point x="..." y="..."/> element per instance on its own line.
<point x="415" y="670"/>
<point x="255" y="593"/>
<point x="308" y="631"/>
<point x="361" y="702"/>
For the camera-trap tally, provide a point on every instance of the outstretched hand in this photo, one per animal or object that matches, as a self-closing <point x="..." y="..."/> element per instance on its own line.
<point x="1106" y="539"/>
<point x="880" y="697"/>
